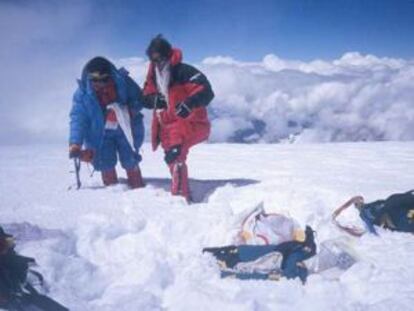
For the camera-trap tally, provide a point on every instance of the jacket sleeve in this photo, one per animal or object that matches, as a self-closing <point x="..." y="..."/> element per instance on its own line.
<point x="78" y="121"/>
<point x="135" y="97"/>
<point x="150" y="89"/>
<point x="198" y="88"/>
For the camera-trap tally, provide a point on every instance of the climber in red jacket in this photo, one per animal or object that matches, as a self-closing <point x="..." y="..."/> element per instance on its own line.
<point x="178" y="93"/>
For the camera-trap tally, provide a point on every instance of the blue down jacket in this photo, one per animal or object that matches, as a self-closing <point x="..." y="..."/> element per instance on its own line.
<point x="87" y="118"/>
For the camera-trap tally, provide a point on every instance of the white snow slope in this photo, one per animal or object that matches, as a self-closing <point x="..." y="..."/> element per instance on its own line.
<point x="112" y="249"/>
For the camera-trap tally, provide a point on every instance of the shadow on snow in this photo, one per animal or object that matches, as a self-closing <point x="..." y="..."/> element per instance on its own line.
<point x="201" y="189"/>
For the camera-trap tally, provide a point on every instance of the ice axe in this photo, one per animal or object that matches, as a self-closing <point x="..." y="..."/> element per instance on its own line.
<point x="77" y="164"/>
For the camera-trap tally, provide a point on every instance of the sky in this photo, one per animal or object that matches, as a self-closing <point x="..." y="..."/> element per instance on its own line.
<point x="247" y="29"/>
<point x="44" y="44"/>
<point x="244" y="29"/>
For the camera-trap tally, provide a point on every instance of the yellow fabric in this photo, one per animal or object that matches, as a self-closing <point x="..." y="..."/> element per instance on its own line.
<point x="246" y="235"/>
<point x="299" y="235"/>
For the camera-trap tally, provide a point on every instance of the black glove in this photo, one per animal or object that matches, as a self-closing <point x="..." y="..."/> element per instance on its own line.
<point x="172" y="154"/>
<point x="182" y="110"/>
<point x="155" y="101"/>
<point x="160" y="102"/>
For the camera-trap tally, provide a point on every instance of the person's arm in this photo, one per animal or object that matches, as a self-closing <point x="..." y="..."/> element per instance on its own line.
<point x="197" y="87"/>
<point x="78" y="122"/>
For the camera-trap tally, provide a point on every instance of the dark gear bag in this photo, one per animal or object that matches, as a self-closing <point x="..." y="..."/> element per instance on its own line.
<point x="394" y="213"/>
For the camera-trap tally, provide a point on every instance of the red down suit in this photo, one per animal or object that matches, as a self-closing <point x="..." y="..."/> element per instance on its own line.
<point x="187" y="84"/>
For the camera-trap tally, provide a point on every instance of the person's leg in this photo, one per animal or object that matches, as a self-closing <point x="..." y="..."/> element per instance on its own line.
<point x="190" y="136"/>
<point x="107" y="159"/>
<point x="197" y="133"/>
<point x="135" y="179"/>
<point x="129" y="160"/>
<point x="173" y="143"/>
<point x="179" y="183"/>
<point x="179" y="173"/>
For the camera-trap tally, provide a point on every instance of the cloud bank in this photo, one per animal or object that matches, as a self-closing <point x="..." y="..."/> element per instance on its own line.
<point x="353" y="98"/>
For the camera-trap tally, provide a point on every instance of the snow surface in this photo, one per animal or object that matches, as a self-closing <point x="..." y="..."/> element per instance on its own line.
<point x="113" y="249"/>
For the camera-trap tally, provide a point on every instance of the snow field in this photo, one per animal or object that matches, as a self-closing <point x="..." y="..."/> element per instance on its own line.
<point x="113" y="249"/>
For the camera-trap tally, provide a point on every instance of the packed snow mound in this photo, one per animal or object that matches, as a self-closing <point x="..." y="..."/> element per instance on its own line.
<point x="354" y="98"/>
<point x="115" y="249"/>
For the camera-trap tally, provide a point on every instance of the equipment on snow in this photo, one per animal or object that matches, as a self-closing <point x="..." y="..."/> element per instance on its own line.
<point x="28" y="299"/>
<point x="291" y="266"/>
<point x="395" y="213"/>
<point x="18" y="281"/>
<point x="269" y="246"/>
<point x="259" y="227"/>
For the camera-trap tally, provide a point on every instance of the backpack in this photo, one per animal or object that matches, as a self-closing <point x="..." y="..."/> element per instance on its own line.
<point x="395" y="213"/>
<point x="18" y="282"/>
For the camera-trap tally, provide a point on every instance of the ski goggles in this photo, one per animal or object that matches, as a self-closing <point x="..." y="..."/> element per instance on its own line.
<point x="98" y="77"/>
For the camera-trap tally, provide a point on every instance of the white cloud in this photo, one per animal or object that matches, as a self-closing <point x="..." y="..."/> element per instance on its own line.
<point x="353" y="98"/>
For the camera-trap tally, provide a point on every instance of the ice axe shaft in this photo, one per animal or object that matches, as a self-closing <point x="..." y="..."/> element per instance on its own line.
<point x="77" y="164"/>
